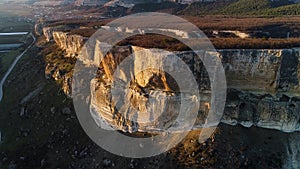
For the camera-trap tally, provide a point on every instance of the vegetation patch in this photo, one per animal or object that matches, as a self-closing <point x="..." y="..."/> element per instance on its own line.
<point x="265" y="8"/>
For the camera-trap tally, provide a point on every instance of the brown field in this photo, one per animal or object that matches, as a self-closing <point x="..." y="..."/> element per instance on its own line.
<point x="248" y="43"/>
<point x="15" y="10"/>
<point x="168" y="43"/>
<point x="209" y="22"/>
<point x="277" y="27"/>
<point x="242" y="23"/>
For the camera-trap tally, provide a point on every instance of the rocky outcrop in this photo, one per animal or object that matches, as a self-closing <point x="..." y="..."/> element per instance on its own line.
<point x="267" y="71"/>
<point x="263" y="84"/>
<point x="279" y="112"/>
<point x="41" y="28"/>
<point x="70" y="43"/>
<point x="70" y="46"/>
<point x="263" y="89"/>
<point x="65" y="78"/>
<point x="47" y="32"/>
<point x="152" y="101"/>
<point x="174" y="32"/>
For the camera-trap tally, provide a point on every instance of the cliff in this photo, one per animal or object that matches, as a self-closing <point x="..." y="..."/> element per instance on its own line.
<point x="70" y="43"/>
<point x="42" y="28"/>
<point x="61" y="35"/>
<point x="263" y="89"/>
<point x="48" y="33"/>
<point x="263" y="86"/>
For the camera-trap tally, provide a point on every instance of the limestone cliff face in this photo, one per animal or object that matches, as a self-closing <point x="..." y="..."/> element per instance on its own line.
<point x="48" y="33"/>
<point x="279" y="112"/>
<point x="262" y="70"/>
<point x="70" y="43"/>
<point x="263" y="89"/>
<point x="263" y="84"/>
<point x="152" y="100"/>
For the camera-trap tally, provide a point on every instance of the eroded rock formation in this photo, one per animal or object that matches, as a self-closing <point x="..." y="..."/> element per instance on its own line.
<point x="263" y="84"/>
<point x="262" y="88"/>
<point x="71" y="43"/>
<point x="152" y="100"/>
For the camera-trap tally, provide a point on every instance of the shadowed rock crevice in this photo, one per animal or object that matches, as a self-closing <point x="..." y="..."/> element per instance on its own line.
<point x="288" y="71"/>
<point x="265" y="111"/>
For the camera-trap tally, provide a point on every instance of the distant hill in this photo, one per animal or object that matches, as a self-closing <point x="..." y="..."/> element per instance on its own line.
<point x="199" y="7"/>
<point x="293" y="9"/>
<point x="207" y="7"/>
<point x="252" y="6"/>
<point x="243" y="7"/>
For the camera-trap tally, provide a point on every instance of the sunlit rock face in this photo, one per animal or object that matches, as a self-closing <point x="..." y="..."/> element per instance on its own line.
<point x="70" y="43"/>
<point x="174" y="32"/>
<point x="265" y="70"/>
<point x="48" y="32"/>
<point x="263" y="89"/>
<point x="154" y="111"/>
<point x="128" y="99"/>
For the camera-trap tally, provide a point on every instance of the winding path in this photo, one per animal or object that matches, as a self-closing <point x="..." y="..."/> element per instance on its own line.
<point x="13" y="65"/>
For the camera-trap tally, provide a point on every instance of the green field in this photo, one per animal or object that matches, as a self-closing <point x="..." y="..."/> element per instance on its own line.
<point x="11" y="39"/>
<point x="14" y="18"/>
<point x="260" y="8"/>
<point x="6" y="60"/>
<point x="13" y="25"/>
